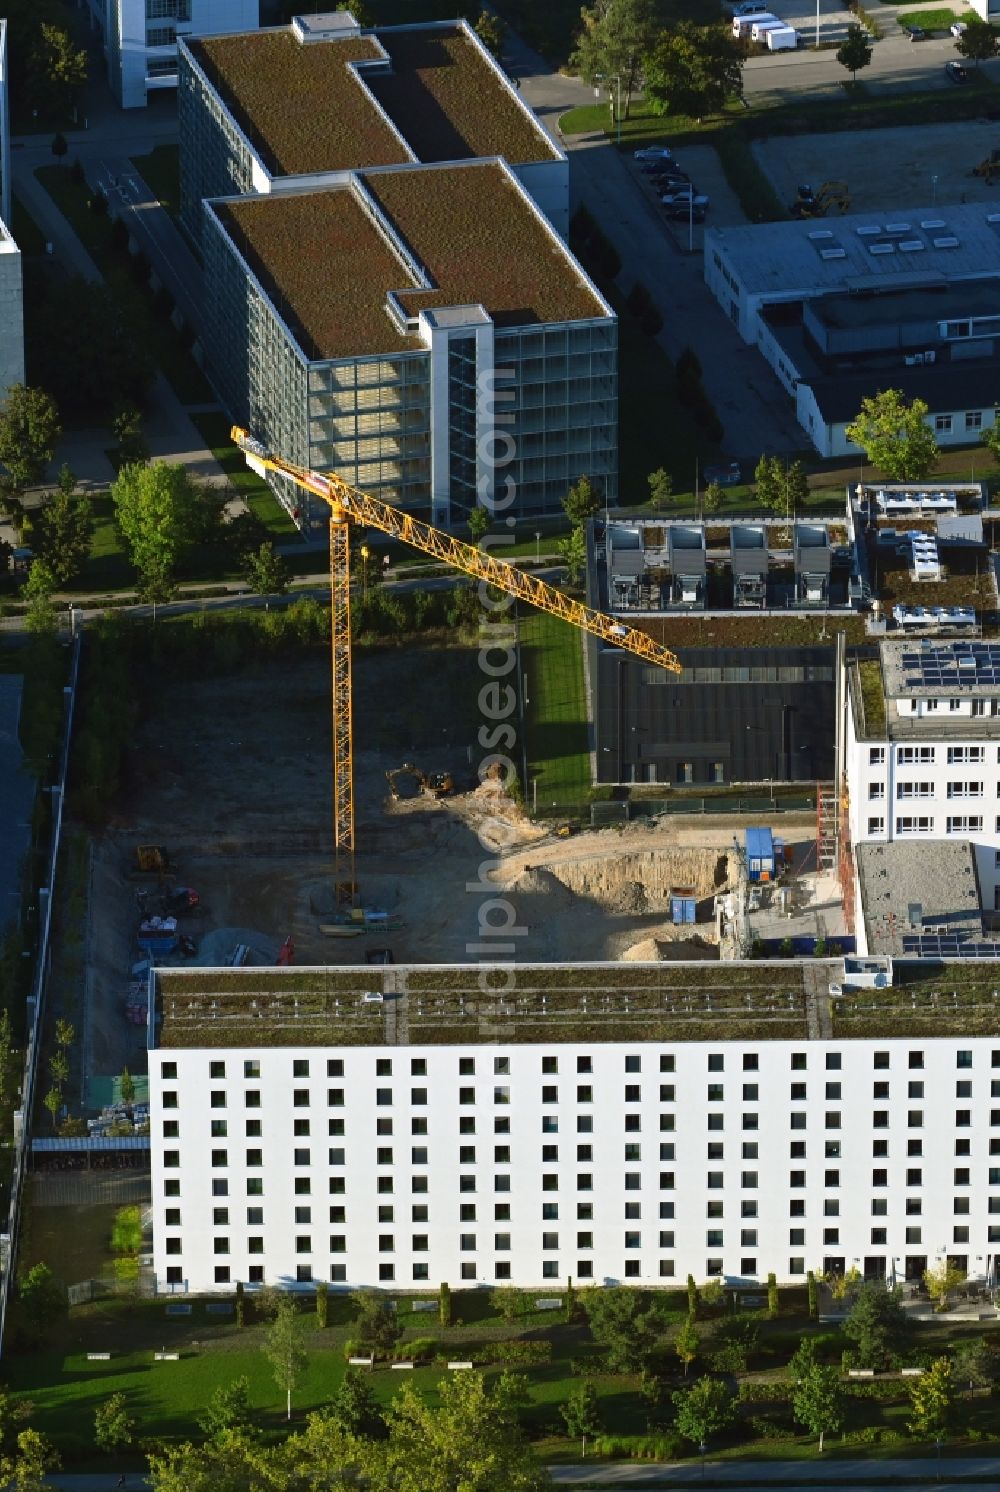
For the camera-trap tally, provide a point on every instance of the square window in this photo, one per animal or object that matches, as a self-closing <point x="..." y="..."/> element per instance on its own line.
<point x="300" y="1067"/>
<point x="386" y="1272"/>
<point x="748" y="1266"/>
<point x="668" y="1062"/>
<point x="550" y="1268"/>
<point x="418" y="1067"/>
<point x="222" y="1274"/>
<point x="334" y="1068"/>
<point x="217" y="1069"/>
<point x="468" y="1271"/>
<point x="716" y="1062"/>
<point x="421" y="1271"/>
<point x="466" y="1066"/>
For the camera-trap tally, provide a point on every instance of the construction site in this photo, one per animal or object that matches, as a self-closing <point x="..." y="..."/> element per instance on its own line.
<point x="236" y="796"/>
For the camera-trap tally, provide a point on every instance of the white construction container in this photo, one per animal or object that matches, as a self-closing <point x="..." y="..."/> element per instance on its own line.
<point x="743" y="25"/>
<point x="764" y="24"/>
<point x="782" y="39"/>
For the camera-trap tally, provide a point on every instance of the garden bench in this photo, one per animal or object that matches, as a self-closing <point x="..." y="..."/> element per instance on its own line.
<point x="98" y="1356"/>
<point x="361" y="1362"/>
<point x="166" y="1357"/>
<point x="403" y="1365"/>
<point x="460" y="1365"/>
<point x="423" y="1305"/>
<point x="551" y="1304"/>
<point x="861" y="1372"/>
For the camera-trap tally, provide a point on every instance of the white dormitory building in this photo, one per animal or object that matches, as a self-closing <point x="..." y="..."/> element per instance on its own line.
<point x="140" y="38"/>
<point x="842" y="307"/>
<point x="490" y="1161"/>
<point x="925" y="763"/>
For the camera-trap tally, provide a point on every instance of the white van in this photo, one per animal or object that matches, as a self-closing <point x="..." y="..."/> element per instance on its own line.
<point x="763" y="24"/>
<point x="782" y="39"/>
<point x="743" y="25"/>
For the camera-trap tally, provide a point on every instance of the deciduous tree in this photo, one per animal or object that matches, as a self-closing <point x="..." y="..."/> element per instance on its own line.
<point x="895" y="436"/>
<point x="42" y="1296"/>
<point x="131" y="448"/>
<point x="267" y="572"/>
<point x="573" y="552"/>
<point x="692" y="70"/>
<point x="614" y="42"/>
<point x="818" y="1402"/>
<point x="462" y="1444"/>
<point x="228" y="1408"/>
<point x="160" y="511"/>
<point x="64" y="529"/>
<point x="581" y="502"/>
<point x="855" y="51"/>
<point x="492" y="32"/>
<point x="479" y="522"/>
<point x="581" y="1414"/>
<point x="507" y="1301"/>
<point x="113" y="1425"/>
<point x="29" y="433"/>
<point x="978" y="42"/>
<point x="932" y="1400"/>
<point x="284" y="1351"/>
<point x="973" y="1363"/>
<point x="40" y="618"/>
<point x="686" y="1344"/>
<point x="661" y="487"/>
<point x="704" y="1410"/>
<point x="941" y="1280"/>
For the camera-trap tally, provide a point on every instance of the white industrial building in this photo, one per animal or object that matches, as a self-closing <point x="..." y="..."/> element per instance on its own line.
<point x="478" y="1157"/>
<point x="140" y="38"/>
<point x="843" y="307"/>
<point x="11" y="280"/>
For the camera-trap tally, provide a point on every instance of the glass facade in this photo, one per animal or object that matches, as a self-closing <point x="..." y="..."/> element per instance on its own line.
<point x="462" y="421"/>
<point x="215" y="160"/>
<point x="565" y="410"/>
<point x="369" y="421"/>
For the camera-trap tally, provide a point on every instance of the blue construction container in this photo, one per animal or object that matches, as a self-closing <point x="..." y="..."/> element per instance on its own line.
<point x="760" y="855"/>
<point x="682" y="905"/>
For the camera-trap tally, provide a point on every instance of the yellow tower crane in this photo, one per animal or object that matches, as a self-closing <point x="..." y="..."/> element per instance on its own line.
<point x="347" y="505"/>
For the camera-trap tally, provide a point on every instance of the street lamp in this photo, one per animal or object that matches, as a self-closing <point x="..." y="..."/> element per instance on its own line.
<point x="538" y="540"/>
<point x="703" y="1448"/>
<point x="937" y="1442"/>
<point x="614" y="78"/>
<point x="934" y="182"/>
<point x="364" y="552"/>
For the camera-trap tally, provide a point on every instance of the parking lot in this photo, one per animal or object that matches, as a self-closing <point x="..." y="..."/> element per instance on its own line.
<point x="887" y="169"/>
<point x="702" y="165"/>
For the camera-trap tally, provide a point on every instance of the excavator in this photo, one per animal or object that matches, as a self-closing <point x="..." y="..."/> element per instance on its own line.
<point x="349" y="505"/>
<point x="816" y="204"/>
<point x="434" y="784"/>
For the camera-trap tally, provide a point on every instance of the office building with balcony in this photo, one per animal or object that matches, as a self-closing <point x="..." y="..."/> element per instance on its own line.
<point x="421" y="330"/>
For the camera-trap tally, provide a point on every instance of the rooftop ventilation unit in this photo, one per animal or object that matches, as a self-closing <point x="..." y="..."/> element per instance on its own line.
<point x="872" y="231"/>
<point x="933" y="223"/>
<point x="833" y="253"/>
<point x="881" y="248"/>
<point x="898" y="228"/>
<point x="948" y="242"/>
<point x="821" y="233"/>
<point x="911" y="245"/>
<point x="993" y="217"/>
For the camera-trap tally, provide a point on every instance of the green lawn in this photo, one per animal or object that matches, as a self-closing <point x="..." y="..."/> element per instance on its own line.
<point x="555" y="718"/>
<point x="160" y="170"/>
<point x="929" y="20"/>
<point x="94" y="231"/>
<point x="214" y="430"/>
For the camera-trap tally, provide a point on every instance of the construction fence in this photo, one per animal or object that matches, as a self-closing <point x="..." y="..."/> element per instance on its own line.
<point x="36" y="1000"/>
<point x="604" y="814"/>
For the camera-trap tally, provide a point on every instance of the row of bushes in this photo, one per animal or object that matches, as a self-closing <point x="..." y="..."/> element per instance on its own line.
<point x="518" y="1352"/>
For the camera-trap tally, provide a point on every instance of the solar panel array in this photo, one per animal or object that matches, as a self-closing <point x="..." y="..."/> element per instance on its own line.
<point x="962" y="663"/>
<point x="947" y="946"/>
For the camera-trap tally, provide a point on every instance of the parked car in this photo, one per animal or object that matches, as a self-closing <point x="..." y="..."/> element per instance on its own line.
<point x="683" y="212"/>
<point x="730" y="474"/>
<point x="653" y="153"/>
<point x="956" y="72"/>
<point x="684" y="195"/>
<point x="660" y="168"/>
<point x="958" y="28"/>
<point x="915" y="33"/>
<point x="749" y="8"/>
<point x="666" y="181"/>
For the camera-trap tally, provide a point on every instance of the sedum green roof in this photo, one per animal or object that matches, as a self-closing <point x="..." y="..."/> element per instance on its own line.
<point x="301" y="107"/>
<point x="447" y="103"/>
<point x="305" y="110"/>
<point x="328" y="269"/>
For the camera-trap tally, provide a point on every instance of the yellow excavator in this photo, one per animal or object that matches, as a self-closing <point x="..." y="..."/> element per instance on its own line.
<point x="348" y="505"/>
<point x="810" y="204"/>
<point x="434" y="784"/>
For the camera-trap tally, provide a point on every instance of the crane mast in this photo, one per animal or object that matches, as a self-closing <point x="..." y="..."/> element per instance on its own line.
<point x="349" y="504"/>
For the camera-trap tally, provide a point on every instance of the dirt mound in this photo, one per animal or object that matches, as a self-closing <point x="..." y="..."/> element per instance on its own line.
<point x="660" y="950"/>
